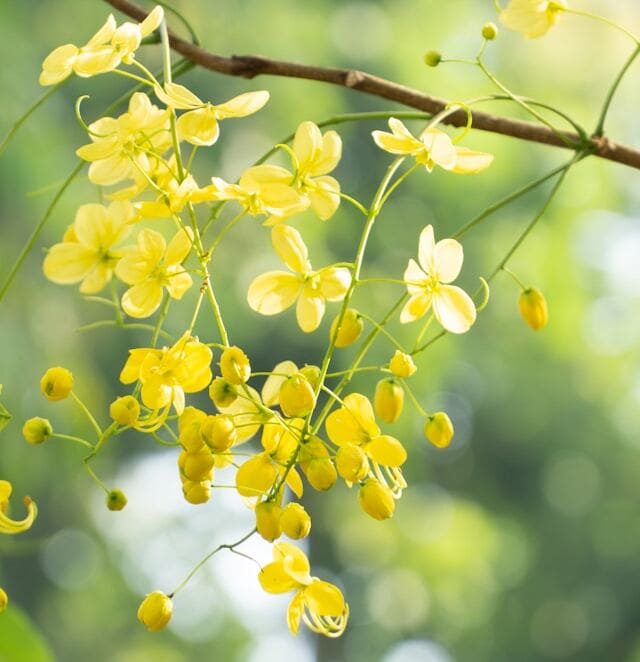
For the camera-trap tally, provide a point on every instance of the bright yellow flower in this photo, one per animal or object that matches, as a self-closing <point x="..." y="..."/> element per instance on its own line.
<point x="246" y="410"/>
<point x="152" y="266"/>
<point x="376" y="499"/>
<point x="155" y="611"/>
<point x="533" y="308"/>
<point x="350" y="330"/>
<point x="295" y="521"/>
<point x="402" y="365"/>
<point x="263" y="189"/>
<point x="320" y="605"/>
<point x="87" y="254"/>
<point x="10" y="526"/>
<point x="56" y="383"/>
<point x="428" y="284"/>
<point x="534" y="18"/>
<point x="315" y="462"/>
<point x="389" y="400"/>
<point x="125" y="147"/>
<point x="275" y="291"/>
<point x="355" y="423"/>
<point x="438" y="429"/>
<point x="199" y="126"/>
<point x="273" y="383"/>
<point x="432" y="148"/>
<point x="109" y="47"/>
<point x="167" y="374"/>
<point x="268" y="520"/>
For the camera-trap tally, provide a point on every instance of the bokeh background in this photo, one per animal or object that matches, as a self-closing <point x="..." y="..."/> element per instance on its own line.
<point x="519" y="542"/>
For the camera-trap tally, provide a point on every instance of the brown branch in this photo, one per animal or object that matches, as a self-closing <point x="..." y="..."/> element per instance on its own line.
<point x="250" y="66"/>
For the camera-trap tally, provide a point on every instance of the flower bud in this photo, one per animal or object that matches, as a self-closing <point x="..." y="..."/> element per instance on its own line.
<point x="350" y="329"/>
<point x="37" y="430"/>
<point x="432" y="58"/>
<point x="197" y="466"/>
<point x="125" y="410"/>
<point x="295" y="521"/>
<point x="56" y="383"/>
<point x="4" y="600"/>
<point x="219" y="432"/>
<point x="297" y="397"/>
<point x="189" y="426"/>
<point x="268" y="520"/>
<point x="438" y="429"/>
<point x="352" y="463"/>
<point x="376" y="500"/>
<point x="533" y="308"/>
<point x="196" y="492"/>
<point x="235" y="366"/>
<point x="489" y="31"/>
<point x="116" y="500"/>
<point x="402" y="365"/>
<point x="155" y="611"/>
<point x="222" y="393"/>
<point x="388" y="400"/>
<point x="321" y="474"/>
<point x="312" y="373"/>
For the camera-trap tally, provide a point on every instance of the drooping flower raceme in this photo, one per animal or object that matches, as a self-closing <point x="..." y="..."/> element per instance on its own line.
<point x="428" y="284"/>
<point x="275" y="291"/>
<point x="534" y="18"/>
<point x="319" y="604"/>
<point x="152" y="266"/>
<point x="431" y="148"/>
<point x="88" y="253"/>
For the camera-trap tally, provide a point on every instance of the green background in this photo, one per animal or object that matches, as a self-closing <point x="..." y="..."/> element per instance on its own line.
<point x="519" y="543"/>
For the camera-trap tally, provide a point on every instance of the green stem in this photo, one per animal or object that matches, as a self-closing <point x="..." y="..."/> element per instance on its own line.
<point x="76" y="440"/>
<point x="88" y="414"/>
<point x="602" y="19"/>
<point x="121" y="325"/>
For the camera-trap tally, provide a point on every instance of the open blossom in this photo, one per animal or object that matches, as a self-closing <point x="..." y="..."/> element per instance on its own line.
<point x="152" y="266"/>
<point x="88" y="253"/>
<point x="428" y="284"/>
<point x="534" y="18"/>
<point x="129" y="146"/>
<point x="108" y="47"/>
<point x="167" y="374"/>
<point x="10" y="526"/>
<point x="431" y="148"/>
<point x="275" y="291"/>
<point x="319" y="604"/>
<point x="199" y="126"/>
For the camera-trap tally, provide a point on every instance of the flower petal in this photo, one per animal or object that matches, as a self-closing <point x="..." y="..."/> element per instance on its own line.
<point x="324" y="194"/>
<point x="69" y="262"/>
<point x="386" y="450"/>
<point x="242" y="105"/>
<point x="271" y="388"/>
<point x="415" y="278"/>
<point x="309" y="312"/>
<point x="179" y="247"/>
<point x="142" y="299"/>
<point x="334" y="282"/>
<point x="448" y="256"/>
<point x="426" y="249"/>
<point x="273" y="292"/>
<point x="307" y="144"/>
<point x="454" y="308"/>
<point x="199" y="127"/>
<point x="289" y="245"/>
<point x="470" y="162"/>
<point x="416" y="307"/>
<point x="324" y="599"/>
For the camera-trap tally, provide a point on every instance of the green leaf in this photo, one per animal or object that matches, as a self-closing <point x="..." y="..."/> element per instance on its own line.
<point x="5" y="416"/>
<point x="20" y="641"/>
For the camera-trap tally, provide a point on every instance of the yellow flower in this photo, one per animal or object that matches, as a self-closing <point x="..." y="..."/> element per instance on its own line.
<point x="262" y="189"/>
<point x="295" y="521"/>
<point x="315" y="462"/>
<point x="438" y="429"/>
<point x="402" y="365"/>
<point x="533" y="308"/>
<point x="87" y="252"/>
<point x="200" y="126"/>
<point x="534" y="18"/>
<point x="432" y="148"/>
<point x="56" y="384"/>
<point x="320" y="605"/>
<point x="167" y="374"/>
<point x="155" y="611"/>
<point x="268" y="520"/>
<point x="428" y="285"/>
<point x="354" y="423"/>
<point x="218" y="432"/>
<point x="37" y="430"/>
<point x="125" y="147"/>
<point x="350" y="329"/>
<point x="275" y="291"/>
<point x="297" y="397"/>
<point x="109" y="47"/>
<point x="389" y="400"/>
<point x="125" y="410"/>
<point x="235" y="366"/>
<point x="10" y="526"/>
<point x="152" y="266"/>
<point x="376" y="499"/>
<point x="246" y="410"/>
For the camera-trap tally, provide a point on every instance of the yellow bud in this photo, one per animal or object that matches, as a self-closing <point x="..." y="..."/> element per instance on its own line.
<point x="297" y="397"/>
<point x="196" y="492"/>
<point x="222" y="393"/>
<point x="4" y="600"/>
<point x="312" y="373"/>
<point x="198" y="466"/>
<point x="37" y="430"/>
<point x="388" y="400"/>
<point x="432" y="58"/>
<point x="268" y="520"/>
<point x="116" y="500"/>
<point x="125" y="410"/>
<point x="533" y="308"/>
<point x="352" y="463"/>
<point x="155" y="611"/>
<point x="235" y="366"/>
<point x="321" y="474"/>
<point x="295" y="521"/>
<point x="376" y="500"/>
<point x="219" y="432"/>
<point x="350" y="329"/>
<point x="56" y="383"/>
<point x="402" y="365"/>
<point x="438" y="429"/>
<point x="489" y="31"/>
<point x="189" y="426"/>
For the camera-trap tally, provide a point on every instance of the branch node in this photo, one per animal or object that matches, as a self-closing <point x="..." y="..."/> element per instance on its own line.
<point x="353" y="78"/>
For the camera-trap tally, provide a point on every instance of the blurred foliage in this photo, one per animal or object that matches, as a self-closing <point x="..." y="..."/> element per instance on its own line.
<point x="521" y="541"/>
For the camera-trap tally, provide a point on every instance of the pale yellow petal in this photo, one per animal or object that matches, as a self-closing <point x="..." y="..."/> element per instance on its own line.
<point x="104" y="34"/>
<point x="90" y="226"/>
<point x="96" y="60"/>
<point x="415" y="278"/>
<point x="448" y="256"/>
<point x="386" y="450"/>
<point x="470" y="162"/>
<point x="257" y="177"/>
<point x="396" y="145"/>
<point x="274" y="381"/>
<point x="309" y="312"/>
<point x="330" y="155"/>
<point x="307" y="144"/>
<point x="178" y="96"/>
<point x="179" y="247"/>
<point x="324" y="599"/>
<point x="179" y="282"/>
<point x="274" y="579"/>
<point x="143" y="299"/>
<point x="242" y="105"/>
<point x="426" y="248"/>
<point x="440" y="148"/>
<point x="454" y="308"/>
<point x="334" y="282"/>
<point x="112" y="170"/>
<point x="199" y="127"/>
<point x="152" y="21"/>
<point x="416" y="307"/>
<point x="289" y="245"/>
<point x="69" y="262"/>
<point x="97" y="278"/>
<point x="58" y="64"/>
<point x="324" y="195"/>
<point x="273" y="292"/>
<point x="294" y="612"/>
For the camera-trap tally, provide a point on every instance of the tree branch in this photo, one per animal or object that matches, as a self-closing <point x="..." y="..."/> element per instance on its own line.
<point x="250" y="66"/>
